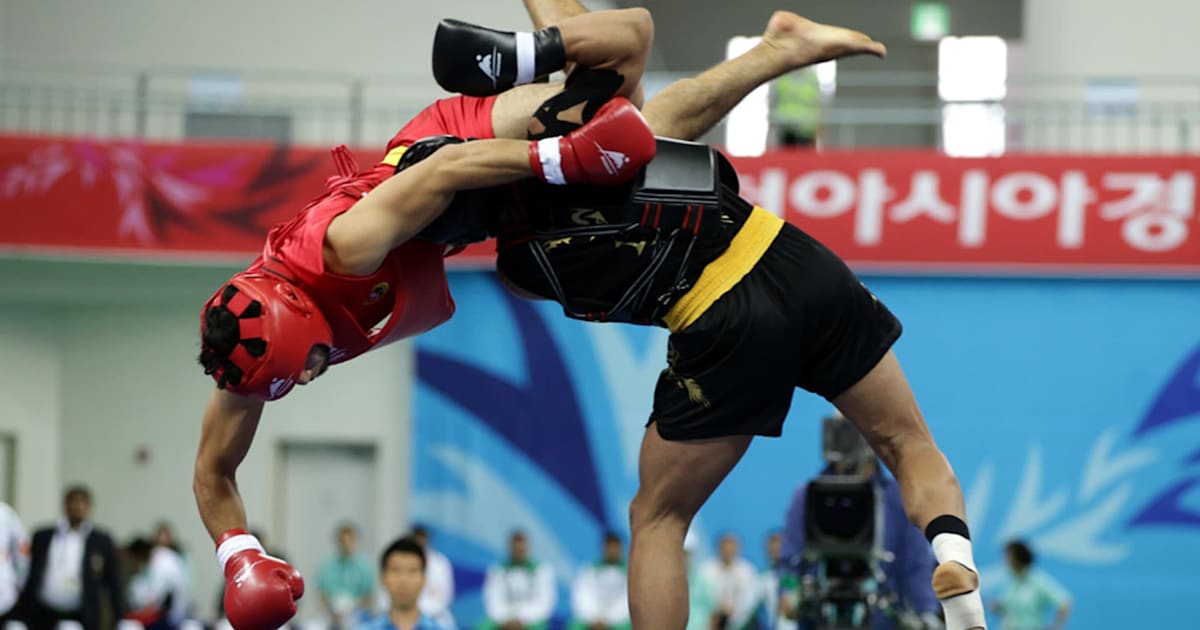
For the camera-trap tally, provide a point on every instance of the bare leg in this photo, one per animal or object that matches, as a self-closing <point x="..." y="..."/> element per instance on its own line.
<point x="883" y="408"/>
<point x="690" y="107"/>
<point x="676" y="478"/>
<point x="885" y="411"/>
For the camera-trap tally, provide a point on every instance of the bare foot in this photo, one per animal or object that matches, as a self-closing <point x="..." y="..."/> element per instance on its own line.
<point x="802" y="42"/>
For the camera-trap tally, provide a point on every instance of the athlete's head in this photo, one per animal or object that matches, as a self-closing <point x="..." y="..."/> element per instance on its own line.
<point x="261" y="335"/>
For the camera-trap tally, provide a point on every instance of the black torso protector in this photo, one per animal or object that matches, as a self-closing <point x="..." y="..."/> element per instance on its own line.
<point x="627" y="253"/>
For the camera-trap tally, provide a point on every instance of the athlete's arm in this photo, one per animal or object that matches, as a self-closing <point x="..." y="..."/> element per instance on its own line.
<point x="357" y="241"/>
<point x="688" y="108"/>
<point x="229" y="424"/>
<point x="548" y="12"/>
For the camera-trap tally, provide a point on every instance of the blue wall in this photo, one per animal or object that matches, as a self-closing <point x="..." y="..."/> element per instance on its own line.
<point x="1069" y="408"/>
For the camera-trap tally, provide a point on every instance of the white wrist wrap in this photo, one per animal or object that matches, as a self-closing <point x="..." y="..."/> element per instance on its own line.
<point x="962" y="611"/>
<point x="526" y="58"/>
<point x="551" y="161"/>
<point x="953" y="548"/>
<point x="235" y="544"/>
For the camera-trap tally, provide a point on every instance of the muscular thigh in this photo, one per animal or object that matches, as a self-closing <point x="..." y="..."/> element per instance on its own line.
<point x="513" y="109"/>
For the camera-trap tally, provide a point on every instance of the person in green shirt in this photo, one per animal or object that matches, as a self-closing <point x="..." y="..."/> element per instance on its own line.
<point x="1031" y="595"/>
<point x="346" y="581"/>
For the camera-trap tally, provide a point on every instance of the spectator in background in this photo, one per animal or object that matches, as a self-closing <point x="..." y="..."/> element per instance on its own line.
<point x="438" y="595"/>
<point x="770" y="577"/>
<point x="700" y="595"/>
<point x="346" y="581"/>
<point x="14" y="558"/>
<point x="519" y="594"/>
<point x="1031" y="595"/>
<point x="402" y="569"/>
<point x="73" y="571"/>
<point x="159" y="593"/>
<point x="909" y="574"/>
<point x="796" y="108"/>
<point x="164" y="536"/>
<point x="735" y="585"/>
<point x="599" y="598"/>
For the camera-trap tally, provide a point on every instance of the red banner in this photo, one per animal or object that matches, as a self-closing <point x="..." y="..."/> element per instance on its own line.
<point x="1025" y="213"/>
<point x="896" y="211"/>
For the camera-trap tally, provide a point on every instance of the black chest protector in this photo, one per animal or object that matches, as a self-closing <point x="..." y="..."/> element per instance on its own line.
<point x="624" y="254"/>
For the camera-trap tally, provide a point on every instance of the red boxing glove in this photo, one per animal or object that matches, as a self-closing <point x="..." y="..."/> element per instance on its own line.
<point x="611" y="148"/>
<point x="260" y="590"/>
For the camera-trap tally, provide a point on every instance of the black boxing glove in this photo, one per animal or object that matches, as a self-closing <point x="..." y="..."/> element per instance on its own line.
<point x="479" y="61"/>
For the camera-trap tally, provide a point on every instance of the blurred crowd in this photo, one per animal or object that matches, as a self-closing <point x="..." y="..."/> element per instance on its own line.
<point x="71" y="574"/>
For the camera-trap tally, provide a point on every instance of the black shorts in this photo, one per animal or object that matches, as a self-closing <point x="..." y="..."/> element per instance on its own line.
<point x="799" y="318"/>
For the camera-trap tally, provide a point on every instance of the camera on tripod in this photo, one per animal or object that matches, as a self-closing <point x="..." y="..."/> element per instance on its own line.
<point x="841" y="576"/>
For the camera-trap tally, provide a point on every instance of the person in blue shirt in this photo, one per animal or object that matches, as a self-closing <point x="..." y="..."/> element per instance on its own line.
<point x="1031" y="595"/>
<point x="402" y="573"/>
<point x="910" y="572"/>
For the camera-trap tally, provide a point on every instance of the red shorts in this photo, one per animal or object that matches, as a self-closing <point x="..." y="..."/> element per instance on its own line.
<point x="462" y="116"/>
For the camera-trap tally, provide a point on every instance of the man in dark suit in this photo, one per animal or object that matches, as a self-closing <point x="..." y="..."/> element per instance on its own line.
<point x="73" y="570"/>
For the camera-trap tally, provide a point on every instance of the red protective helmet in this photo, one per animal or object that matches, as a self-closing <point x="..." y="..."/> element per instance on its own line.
<point x="290" y="325"/>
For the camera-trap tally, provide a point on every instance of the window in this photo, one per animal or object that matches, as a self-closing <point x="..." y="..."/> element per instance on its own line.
<point x="972" y="72"/>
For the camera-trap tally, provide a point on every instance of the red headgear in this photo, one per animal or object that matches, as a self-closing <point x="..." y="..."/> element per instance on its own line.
<point x="290" y="325"/>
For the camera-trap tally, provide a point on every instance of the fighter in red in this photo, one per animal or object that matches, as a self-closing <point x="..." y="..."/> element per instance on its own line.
<point x="346" y="275"/>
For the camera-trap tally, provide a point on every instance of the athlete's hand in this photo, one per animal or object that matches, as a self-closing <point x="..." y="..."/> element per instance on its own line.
<point x="801" y="42"/>
<point x="611" y="148"/>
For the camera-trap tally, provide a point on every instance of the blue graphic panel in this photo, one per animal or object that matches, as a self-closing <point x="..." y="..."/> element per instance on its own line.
<point x="1070" y="410"/>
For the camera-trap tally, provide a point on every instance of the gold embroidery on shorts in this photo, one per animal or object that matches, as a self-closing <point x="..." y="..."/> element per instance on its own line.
<point x="694" y="391"/>
<point x="555" y="242"/>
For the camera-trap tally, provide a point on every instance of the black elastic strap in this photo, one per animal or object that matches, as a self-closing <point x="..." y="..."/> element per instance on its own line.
<point x="947" y="524"/>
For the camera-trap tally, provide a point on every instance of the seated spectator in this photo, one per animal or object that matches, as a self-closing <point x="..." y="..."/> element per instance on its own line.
<point x="346" y="582"/>
<point x="599" y="597"/>
<point x="14" y="558"/>
<point x="158" y="590"/>
<point x="519" y="594"/>
<point x="438" y="594"/>
<point x="164" y="536"/>
<point x="402" y="572"/>
<point x="771" y="616"/>
<point x="700" y="595"/>
<point x="735" y="585"/>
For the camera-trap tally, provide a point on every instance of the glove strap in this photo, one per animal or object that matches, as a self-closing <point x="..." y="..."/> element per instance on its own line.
<point x="233" y="542"/>
<point x="526" y="58"/>
<point x="551" y="161"/>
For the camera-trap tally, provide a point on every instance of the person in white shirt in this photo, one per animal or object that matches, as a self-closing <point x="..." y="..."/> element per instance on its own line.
<point x="158" y="591"/>
<point x="771" y="616"/>
<point x="735" y="584"/>
<point x="519" y="594"/>
<point x="14" y="557"/>
<point x="438" y="594"/>
<point x="599" y="595"/>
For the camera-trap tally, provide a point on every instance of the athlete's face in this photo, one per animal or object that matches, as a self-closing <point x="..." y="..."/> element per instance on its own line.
<point x="317" y="363"/>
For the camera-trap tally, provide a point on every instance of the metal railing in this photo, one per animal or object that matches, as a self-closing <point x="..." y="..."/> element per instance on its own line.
<point x="869" y="109"/>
